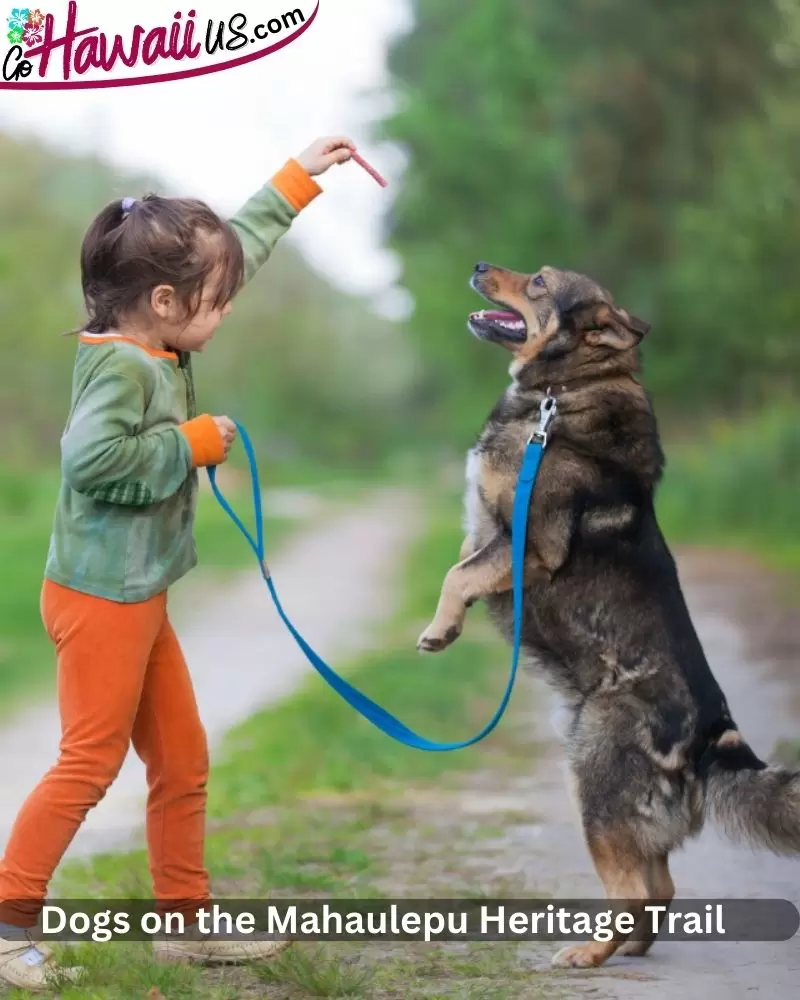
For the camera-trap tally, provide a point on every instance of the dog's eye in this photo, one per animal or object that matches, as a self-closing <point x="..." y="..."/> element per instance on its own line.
<point x="539" y="280"/>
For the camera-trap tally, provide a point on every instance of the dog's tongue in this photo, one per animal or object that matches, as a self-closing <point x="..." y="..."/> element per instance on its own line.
<point x="497" y="315"/>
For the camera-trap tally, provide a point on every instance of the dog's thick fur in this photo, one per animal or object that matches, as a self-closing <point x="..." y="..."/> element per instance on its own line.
<point x="651" y="743"/>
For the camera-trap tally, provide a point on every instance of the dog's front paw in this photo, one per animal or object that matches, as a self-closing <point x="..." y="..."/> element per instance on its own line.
<point x="433" y="641"/>
<point x="578" y="956"/>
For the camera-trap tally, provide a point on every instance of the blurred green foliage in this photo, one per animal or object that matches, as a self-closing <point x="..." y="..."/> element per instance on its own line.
<point x="737" y="486"/>
<point x="651" y="145"/>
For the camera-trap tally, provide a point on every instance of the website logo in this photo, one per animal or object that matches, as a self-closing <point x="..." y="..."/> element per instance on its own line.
<point x="95" y="44"/>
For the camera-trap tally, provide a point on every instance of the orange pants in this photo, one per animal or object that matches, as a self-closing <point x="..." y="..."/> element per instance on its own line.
<point x="122" y="679"/>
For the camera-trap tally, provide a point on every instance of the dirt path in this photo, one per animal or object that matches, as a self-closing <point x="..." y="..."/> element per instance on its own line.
<point x="336" y="581"/>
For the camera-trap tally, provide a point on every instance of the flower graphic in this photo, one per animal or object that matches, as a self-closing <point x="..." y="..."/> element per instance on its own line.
<point x="18" y="20"/>
<point x="33" y="35"/>
<point x="15" y="36"/>
<point x="35" y="18"/>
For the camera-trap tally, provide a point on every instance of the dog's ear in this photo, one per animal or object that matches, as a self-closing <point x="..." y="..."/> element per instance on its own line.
<point x="614" y="328"/>
<point x="639" y="326"/>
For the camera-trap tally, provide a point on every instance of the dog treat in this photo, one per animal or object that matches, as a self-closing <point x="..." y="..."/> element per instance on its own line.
<point x="370" y="170"/>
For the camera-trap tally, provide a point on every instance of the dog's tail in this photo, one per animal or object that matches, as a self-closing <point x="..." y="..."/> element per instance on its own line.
<point x="750" y="800"/>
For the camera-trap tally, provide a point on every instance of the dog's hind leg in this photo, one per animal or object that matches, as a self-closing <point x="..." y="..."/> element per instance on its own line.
<point x="625" y="873"/>
<point x="662" y="889"/>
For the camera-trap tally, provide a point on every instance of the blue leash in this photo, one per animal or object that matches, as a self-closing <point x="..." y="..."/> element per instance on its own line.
<point x="360" y="702"/>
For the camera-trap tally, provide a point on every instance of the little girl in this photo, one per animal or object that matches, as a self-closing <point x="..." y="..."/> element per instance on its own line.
<point x="158" y="278"/>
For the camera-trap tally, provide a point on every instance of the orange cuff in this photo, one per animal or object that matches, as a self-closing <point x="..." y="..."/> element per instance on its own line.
<point x="205" y="440"/>
<point x="296" y="185"/>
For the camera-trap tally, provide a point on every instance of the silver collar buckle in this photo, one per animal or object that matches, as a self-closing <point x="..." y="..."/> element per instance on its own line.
<point x="547" y="412"/>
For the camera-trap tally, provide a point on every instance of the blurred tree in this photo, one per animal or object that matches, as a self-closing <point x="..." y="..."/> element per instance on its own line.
<point x="647" y="93"/>
<point x="593" y="134"/>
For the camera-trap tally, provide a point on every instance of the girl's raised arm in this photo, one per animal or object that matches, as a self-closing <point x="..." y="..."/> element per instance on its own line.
<point x="269" y="213"/>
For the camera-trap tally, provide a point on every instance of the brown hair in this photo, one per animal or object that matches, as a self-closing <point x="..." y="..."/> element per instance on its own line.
<point x="133" y="246"/>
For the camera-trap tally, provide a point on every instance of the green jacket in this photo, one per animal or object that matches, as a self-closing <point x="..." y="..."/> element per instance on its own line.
<point x="123" y="526"/>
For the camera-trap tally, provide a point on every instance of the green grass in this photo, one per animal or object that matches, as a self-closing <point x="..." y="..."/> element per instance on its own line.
<point x="316" y="973"/>
<point x="27" y="503"/>
<point x="297" y="796"/>
<point x="469" y="972"/>
<point x="736" y="487"/>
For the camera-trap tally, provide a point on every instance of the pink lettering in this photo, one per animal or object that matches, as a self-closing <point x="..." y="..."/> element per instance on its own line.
<point x="108" y="61"/>
<point x="86" y="55"/>
<point x="50" y="44"/>
<point x="155" y="46"/>
<point x="189" y="50"/>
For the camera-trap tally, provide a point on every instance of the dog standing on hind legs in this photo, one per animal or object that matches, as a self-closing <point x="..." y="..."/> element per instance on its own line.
<point x="651" y="744"/>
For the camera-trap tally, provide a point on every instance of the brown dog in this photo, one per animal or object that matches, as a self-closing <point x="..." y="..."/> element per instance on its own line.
<point x="651" y="743"/>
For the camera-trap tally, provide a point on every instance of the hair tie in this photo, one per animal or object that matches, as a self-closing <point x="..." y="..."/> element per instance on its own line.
<point x="127" y="205"/>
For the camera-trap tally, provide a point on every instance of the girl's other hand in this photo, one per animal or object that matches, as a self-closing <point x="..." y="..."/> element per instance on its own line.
<point x="324" y="153"/>
<point x="227" y="429"/>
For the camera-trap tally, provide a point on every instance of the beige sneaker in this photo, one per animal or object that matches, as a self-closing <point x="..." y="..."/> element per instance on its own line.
<point x="192" y="946"/>
<point x="31" y="965"/>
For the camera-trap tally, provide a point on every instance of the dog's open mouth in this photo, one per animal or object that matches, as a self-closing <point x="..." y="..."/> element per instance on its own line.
<point x="498" y="324"/>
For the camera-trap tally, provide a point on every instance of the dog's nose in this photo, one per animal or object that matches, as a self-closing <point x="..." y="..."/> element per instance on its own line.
<point x="482" y="267"/>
